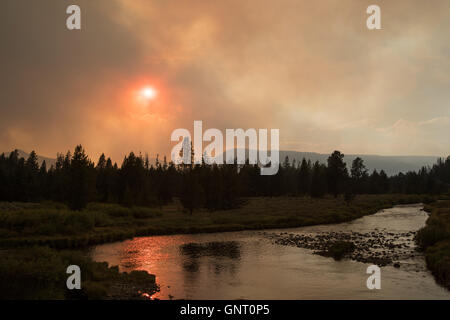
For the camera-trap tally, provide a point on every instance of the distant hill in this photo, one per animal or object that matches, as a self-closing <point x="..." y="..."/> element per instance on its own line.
<point x="23" y="154"/>
<point x="390" y="164"/>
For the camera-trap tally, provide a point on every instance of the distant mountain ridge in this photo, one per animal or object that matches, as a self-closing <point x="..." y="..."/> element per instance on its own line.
<point x="23" y="154"/>
<point x="390" y="164"/>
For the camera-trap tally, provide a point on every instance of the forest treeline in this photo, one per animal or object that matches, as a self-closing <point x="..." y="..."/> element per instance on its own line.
<point x="76" y="180"/>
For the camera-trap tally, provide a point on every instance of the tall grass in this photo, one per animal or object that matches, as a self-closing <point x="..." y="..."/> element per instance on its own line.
<point x="40" y="273"/>
<point x="57" y="226"/>
<point x="434" y="238"/>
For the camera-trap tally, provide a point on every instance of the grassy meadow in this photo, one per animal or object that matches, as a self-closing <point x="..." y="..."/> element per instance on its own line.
<point x="56" y="226"/>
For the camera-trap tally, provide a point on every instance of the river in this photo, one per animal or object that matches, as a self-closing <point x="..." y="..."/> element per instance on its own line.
<point x="250" y="265"/>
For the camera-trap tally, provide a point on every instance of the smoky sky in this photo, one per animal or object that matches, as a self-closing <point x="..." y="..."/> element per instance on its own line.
<point x="309" y="68"/>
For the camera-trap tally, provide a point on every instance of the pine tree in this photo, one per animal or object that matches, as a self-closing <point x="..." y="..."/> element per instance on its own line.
<point x="336" y="173"/>
<point x="318" y="180"/>
<point x="304" y="177"/>
<point x="191" y="191"/>
<point x="358" y="176"/>
<point x="82" y="180"/>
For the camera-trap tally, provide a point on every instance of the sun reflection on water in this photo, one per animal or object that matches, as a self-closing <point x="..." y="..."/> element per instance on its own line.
<point x="176" y="260"/>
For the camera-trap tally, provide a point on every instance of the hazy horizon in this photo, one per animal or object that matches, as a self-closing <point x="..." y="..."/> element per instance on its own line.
<point x="152" y="155"/>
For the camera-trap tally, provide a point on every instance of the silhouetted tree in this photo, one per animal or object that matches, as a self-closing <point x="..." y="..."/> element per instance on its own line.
<point x="81" y="180"/>
<point x="318" y="180"/>
<point x="304" y="177"/>
<point x="358" y="176"/>
<point x="191" y="191"/>
<point x="336" y="173"/>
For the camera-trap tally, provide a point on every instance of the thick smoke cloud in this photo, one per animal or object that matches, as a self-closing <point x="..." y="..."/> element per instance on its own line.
<point x="309" y="68"/>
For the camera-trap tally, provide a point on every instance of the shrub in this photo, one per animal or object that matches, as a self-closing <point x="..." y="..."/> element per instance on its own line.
<point x="144" y="213"/>
<point x="118" y="211"/>
<point x="340" y="249"/>
<point x="438" y="260"/>
<point x="429" y="235"/>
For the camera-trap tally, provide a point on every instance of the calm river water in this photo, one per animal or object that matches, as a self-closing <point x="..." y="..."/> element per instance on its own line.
<point x="257" y="268"/>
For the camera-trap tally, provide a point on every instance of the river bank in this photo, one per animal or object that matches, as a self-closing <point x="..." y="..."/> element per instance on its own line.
<point x="434" y="239"/>
<point x="39" y="273"/>
<point x="55" y="226"/>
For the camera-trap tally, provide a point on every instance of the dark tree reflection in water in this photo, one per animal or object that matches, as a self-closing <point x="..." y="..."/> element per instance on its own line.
<point x="223" y="254"/>
<point x="230" y="249"/>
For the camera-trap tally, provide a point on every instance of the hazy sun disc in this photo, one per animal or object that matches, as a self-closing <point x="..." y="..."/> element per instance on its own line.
<point x="148" y="93"/>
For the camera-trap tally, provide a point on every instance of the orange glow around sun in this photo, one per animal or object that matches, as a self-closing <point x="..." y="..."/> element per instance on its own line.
<point x="148" y="93"/>
<point x="146" y="99"/>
